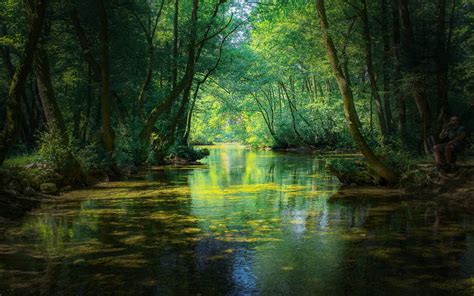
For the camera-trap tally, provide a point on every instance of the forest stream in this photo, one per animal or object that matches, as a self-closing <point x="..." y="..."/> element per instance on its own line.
<point x="245" y="222"/>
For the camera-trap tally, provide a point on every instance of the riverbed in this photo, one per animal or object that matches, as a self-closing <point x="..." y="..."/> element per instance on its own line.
<point x="245" y="222"/>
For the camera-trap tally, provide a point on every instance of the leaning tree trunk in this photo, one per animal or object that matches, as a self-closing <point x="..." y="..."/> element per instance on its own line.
<point x="185" y="81"/>
<point x="346" y="91"/>
<point x="17" y="84"/>
<point x="51" y="110"/>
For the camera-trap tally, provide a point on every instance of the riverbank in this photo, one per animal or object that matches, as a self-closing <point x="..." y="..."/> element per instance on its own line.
<point x="23" y="188"/>
<point x="275" y="210"/>
<point x="454" y="189"/>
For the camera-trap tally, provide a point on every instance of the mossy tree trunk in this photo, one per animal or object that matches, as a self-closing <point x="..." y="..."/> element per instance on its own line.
<point x="346" y="92"/>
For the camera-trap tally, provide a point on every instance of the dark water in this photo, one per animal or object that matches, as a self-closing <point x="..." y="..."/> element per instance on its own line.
<point x="247" y="223"/>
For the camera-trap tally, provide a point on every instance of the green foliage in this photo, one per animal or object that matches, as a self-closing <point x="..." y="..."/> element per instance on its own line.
<point x="128" y="150"/>
<point x="92" y="158"/>
<point x="272" y="85"/>
<point x="53" y="150"/>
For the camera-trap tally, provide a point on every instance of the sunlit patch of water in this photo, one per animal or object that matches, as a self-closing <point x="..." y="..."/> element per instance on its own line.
<point x="244" y="222"/>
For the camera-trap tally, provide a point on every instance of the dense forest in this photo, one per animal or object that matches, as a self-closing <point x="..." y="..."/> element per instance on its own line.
<point x="99" y="85"/>
<point x="236" y="147"/>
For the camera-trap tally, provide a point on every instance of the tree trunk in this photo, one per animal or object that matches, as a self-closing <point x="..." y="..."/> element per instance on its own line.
<point x="25" y="125"/>
<point x="386" y="69"/>
<point x="374" y="163"/>
<point x="370" y="71"/>
<point x="174" y="59"/>
<point x="413" y="65"/>
<point x="182" y="118"/>
<point x="17" y="84"/>
<point x="54" y="118"/>
<point x="397" y="76"/>
<point x="189" y="116"/>
<point x="87" y="115"/>
<point x="149" y="34"/>
<point x="51" y="110"/>
<point x="94" y="66"/>
<point x="180" y="87"/>
<point x="106" y="130"/>
<point x="442" y="63"/>
<point x="85" y="46"/>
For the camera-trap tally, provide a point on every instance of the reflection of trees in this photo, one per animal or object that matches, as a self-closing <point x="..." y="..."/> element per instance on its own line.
<point x="273" y="202"/>
<point x="251" y="222"/>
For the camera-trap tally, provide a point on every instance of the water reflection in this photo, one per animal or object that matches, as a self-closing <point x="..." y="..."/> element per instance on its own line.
<point x="245" y="223"/>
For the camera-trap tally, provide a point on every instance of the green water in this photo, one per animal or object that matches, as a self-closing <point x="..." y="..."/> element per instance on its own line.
<point x="246" y="223"/>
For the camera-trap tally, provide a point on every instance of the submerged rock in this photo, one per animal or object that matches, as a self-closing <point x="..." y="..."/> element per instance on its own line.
<point x="48" y="188"/>
<point x="28" y="191"/>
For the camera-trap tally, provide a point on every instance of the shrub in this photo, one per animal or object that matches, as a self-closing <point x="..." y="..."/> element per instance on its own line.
<point x="92" y="158"/>
<point x="53" y="150"/>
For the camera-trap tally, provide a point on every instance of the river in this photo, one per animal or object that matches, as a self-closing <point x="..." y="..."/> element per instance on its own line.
<point x="244" y="223"/>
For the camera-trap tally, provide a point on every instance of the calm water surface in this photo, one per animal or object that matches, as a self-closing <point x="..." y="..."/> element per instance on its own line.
<point x="246" y="223"/>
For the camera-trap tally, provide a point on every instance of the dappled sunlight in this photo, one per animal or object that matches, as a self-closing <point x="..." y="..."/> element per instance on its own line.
<point x="261" y="220"/>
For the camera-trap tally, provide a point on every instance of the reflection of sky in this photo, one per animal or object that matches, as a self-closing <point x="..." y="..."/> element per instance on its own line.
<point x="249" y="222"/>
<point x="254" y="196"/>
<point x="242" y="274"/>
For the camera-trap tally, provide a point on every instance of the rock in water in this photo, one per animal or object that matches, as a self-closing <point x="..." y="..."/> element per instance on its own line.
<point x="48" y="188"/>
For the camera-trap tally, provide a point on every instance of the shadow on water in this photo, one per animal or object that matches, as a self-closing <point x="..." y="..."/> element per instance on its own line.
<point x="245" y="223"/>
